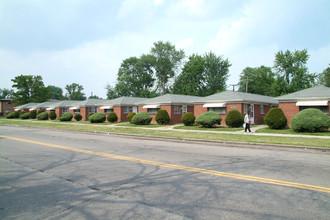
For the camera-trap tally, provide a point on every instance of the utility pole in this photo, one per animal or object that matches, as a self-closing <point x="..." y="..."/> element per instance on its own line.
<point x="247" y="83"/>
<point x="233" y="85"/>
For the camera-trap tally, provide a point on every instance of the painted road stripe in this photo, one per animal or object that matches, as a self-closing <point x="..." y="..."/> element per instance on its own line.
<point x="179" y="167"/>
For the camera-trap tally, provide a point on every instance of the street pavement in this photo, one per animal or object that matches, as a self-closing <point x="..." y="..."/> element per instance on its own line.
<point x="72" y="175"/>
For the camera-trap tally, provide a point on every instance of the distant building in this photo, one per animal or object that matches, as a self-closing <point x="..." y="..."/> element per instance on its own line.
<point x="6" y="106"/>
<point x="317" y="97"/>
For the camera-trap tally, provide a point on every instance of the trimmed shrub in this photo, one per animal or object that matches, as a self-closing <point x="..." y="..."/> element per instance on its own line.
<point x="10" y="115"/>
<point x="310" y="120"/>
<point x="21" y="113"/>
<point x="234" y="119"/>
<point x="112" y="117"/>
<point x="188" y="119"/>
<point x="78" y="117"/>
<point x="66" y="117"/>
<point x="42" y="116"/>
<point x="276" y="119"/>
<point x="208" y="119"/>
<point x="90" y="114"/>
<point x="162" y="117"/>
<point x="52" y="115"/>
<point x="141" y="118"/>
<point x="97" y="118"/>
<point x="25" y="116"/>
<point x="130" y="116"/>
<point x="33" y="114"/>
<point x="40" y="111"/>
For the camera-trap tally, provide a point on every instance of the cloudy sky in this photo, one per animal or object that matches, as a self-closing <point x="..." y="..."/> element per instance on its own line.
<point x="85" y="41"/>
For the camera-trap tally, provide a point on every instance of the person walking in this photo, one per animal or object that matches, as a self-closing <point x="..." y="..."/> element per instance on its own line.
<point x="247" y="121"/>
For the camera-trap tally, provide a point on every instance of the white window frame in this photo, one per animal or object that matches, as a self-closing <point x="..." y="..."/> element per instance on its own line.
<point x="177" y="109"/>
<point x="219" y="110"/>
<point x="107" y="111"/>
<point x="262" y="109"/>
<point x="126" y="109"/>
<point x="152" y="110"/>
<point x="76" y="111"/>
<point x="65" y="110"/>
<point x="245" y="108"/>
<point x="92" y="109"/>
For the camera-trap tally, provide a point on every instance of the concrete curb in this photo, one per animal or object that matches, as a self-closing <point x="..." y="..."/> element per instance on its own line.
<point x="190" y="140"/>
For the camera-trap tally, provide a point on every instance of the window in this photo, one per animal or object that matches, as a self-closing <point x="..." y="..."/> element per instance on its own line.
<point x="65" y="110"/>
<point x="219" y="110"/>
<point x="107" y="111"/>
<point x="262" y="111"/>
<point x="76" y="111"/>
<point x="126" y="109"/>
<point x="92" y="109"/>
<point x="153" y="110"/>
<point x="245" y="109"/>
<point x="184" y="109"/>
<point x="177" y="109"/>
<point x="324" y="109"/>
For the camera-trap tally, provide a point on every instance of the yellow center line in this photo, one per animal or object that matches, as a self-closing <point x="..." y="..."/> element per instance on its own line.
<point x="179" y="167"/>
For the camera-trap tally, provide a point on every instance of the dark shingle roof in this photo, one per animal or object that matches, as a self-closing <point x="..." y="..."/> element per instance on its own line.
<point x="318" y="92"/>
<point x="231" y="96"/>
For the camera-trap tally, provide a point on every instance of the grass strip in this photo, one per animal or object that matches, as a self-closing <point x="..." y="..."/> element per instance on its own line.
<point x="290" y="131"/>
<point x="308" y="142"/>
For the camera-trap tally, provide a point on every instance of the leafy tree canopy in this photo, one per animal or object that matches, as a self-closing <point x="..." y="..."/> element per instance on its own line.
<point x="324" y="77"/>
<point x="55" y="92"/>
<point x="6" y="93"/>
<point x="74" y="92"/>
<point x="29" y="89"/>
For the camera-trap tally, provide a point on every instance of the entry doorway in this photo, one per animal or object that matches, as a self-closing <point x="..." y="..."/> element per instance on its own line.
<point x="252" y="113"/>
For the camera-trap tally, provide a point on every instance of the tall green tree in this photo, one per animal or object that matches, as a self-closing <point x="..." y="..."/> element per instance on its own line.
<point x="6" y="93"/>
<point x="260" y="81"/>
<point x="55" y="92"/>
<point x="292" y="69"/>
<point x="29" y="89"/>
<point x="202" y="75"/>
<point x="168" y="60"/>
<point x="324" y="77"/>
<point x="135" y="76"/>
<point x="111" y="92"/>
<point x="74" y="92"/>
<point x="191" y="79"/>
<point x="216" y="70"/>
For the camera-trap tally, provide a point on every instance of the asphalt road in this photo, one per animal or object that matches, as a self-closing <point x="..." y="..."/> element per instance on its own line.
<point x="71" y="175"/>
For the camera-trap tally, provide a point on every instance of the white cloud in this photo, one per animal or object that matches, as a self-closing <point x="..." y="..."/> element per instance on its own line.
<point x="158" y="2"/>
<point x="184" y="43"/>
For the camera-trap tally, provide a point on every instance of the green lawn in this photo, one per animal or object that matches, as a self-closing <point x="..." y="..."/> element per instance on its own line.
<point x="290" y="131"/>
<point x="196" y="127"/>
<point x="127" y="124"/>
<point x="309" y="142"/>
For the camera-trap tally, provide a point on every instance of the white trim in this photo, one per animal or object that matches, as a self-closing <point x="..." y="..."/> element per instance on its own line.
<point x="74" y="108"/>
<point x="214" y="105"/>
<point x="106" y="107"/>
<point x="312" y="103"/>
<point x="31" y="109"/>
<point x="49" y="109"/>
<point x="151" y="106"/>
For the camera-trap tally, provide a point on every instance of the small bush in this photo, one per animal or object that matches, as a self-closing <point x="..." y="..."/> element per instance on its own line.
<point x="141" y="118"/>
<point x="97" y="117"/>
<point x="188" y="119"/>
<point x="208" y="119"/>
<point x="78" y="117"/>
<point x="130" y="116"/>
<point x="162" y="117"/>
<point x="66" y="117"/>
<point x="42" y="116"/>
<point x="40" y="111"/>
<point x="25" y="116"/>
<point x="262" y="120"/>
<point x="21" y="113"/>
<point x="33" y="114"/>
<point x="310" y="120"/>
<point x="276" y="119"/>
<point x="112" y="117"/>
<point x="52" y="115"/>
<point x="90" y="114"/>
<point x="234" y="119"/>
<point x="10" y="115"/>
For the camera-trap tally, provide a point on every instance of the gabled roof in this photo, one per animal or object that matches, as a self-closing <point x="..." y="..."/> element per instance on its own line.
<point x="231" y="96"/>
<point x="170" y="99"/>
<point x="48" y="104"/>
<point x="91" y="102"/>
<point x="317" y="92"/>
<point x="125" y="100"/>
<point x="65" y="104"/>
<point x="27" y="106"/>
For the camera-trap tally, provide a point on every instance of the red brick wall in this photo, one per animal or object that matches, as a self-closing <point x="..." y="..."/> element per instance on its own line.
<point x="289" y="109"/>
<point x="84" y="113"/>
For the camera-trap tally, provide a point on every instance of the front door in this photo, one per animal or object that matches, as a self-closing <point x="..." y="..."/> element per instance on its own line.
<point x="252" y="113"/>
